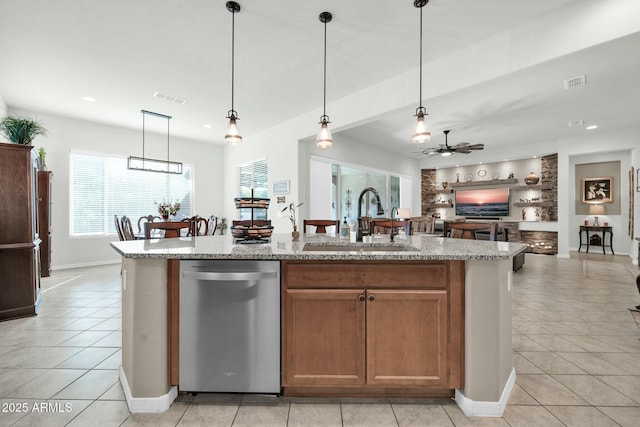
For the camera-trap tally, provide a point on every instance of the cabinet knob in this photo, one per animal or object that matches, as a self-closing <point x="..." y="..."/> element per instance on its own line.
<point x="371" y="297"/>
<point x="361" y="297"/>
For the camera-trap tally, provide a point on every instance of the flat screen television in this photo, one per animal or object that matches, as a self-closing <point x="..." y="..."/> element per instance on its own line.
<point x="490" y="202"/>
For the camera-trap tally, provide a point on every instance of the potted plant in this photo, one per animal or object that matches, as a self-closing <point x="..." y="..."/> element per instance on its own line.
<point x="21" y="130"/>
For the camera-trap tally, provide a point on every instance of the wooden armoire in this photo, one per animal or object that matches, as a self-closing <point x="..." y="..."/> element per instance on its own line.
<point x="19" y="241"/>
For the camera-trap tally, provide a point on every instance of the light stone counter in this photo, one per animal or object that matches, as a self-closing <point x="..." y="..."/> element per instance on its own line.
<point x="488" y="372"/>
<point x="281" y="247"/>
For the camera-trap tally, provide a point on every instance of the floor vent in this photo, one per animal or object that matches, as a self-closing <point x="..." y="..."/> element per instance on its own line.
<point x="575" y="82"/>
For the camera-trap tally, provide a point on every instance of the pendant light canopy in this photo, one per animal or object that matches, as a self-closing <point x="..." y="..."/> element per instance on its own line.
<point x="324" y="139"/>
<point x="421" y="133"/>
<point x="233" y="133"/>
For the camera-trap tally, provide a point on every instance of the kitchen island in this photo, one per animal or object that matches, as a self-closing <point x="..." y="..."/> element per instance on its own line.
<point x="424" y="316"/>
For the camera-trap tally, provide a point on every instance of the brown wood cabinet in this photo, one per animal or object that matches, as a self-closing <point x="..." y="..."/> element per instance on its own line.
<point x="44" y="221"/>
<point x="371" y="328"/>
<point x="19" y="242"/>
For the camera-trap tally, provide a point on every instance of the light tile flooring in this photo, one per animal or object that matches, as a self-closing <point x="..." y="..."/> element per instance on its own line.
<point x="576" y="351"/>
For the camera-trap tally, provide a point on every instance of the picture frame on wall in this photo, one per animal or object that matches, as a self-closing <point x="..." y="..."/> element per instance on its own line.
<point x="597" y="190"/>
<point x="281" y="187"/>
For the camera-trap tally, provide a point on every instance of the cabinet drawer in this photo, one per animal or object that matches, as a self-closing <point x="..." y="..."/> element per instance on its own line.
<point x="368" y="274"/>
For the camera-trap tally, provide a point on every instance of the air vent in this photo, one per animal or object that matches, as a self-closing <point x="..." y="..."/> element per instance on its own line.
<point x="576" y="123"/>
<point x="575" y="82"/>
<point x="170" y="98"/>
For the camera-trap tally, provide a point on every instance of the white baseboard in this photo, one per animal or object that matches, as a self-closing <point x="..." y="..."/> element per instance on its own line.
<point x="147" y="404"/>
<point x="86" y="264"/>
<point x="473" y="408"/>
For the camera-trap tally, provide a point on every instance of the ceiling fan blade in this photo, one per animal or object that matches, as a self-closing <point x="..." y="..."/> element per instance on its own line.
<point x="476" y="147"/>
<point x="462" y="144"/>
<point x="463" y="150"/>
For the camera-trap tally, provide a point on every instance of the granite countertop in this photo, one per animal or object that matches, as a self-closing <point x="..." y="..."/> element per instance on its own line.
<point x="281" y="247"/>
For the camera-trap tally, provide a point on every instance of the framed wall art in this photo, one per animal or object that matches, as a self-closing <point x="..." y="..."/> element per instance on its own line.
<point x="281" y="187"/>
<point x="597" y="190"/>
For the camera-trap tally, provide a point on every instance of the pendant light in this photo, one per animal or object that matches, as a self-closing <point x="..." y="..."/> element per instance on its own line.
<point x="324" y="139"/>
<point x="233" y="133"/>
<point x="154" y="165"/>
<point x="421" y="133"/>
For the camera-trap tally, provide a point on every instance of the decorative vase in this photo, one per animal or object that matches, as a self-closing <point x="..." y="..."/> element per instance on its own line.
<point x="531" y="179"/>
<point x="165" y="217"/>
<point x="445" y="184"/>
<point x="295" y="234"/>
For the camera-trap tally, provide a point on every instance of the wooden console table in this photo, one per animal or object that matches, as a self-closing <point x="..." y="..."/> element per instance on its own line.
<point x="593" y="230"/>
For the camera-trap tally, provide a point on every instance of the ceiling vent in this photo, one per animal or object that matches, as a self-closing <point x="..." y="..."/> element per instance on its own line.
<point x="575" y="82"/>
<point x="170" y="98"/>
<point x="576" y="123"/>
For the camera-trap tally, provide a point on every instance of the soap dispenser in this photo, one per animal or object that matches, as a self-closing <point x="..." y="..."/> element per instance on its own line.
<point x="344" y="230"/>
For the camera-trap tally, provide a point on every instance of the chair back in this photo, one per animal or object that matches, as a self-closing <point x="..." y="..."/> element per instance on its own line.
<point x="199" y="226"/>
<point x="365" y="225"/>
<point x="385" y="225"/>
<point x="118" y="227"/>
<point x="321" y="225"/>
<point x="247" y="222"/>
<point x="127" y="229"/>
<point x="171" y="229"/>
<point x="143" y="219"/>
<point x="422" y="224"/>
<point x="467" y="230"/>
<point x="212" y="225"/>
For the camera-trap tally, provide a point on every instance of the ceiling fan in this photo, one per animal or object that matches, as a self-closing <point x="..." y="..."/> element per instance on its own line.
<point x="447" y="150"/>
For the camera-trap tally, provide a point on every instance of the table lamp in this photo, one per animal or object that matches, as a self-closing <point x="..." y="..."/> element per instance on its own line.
<point x="596" y="210"/>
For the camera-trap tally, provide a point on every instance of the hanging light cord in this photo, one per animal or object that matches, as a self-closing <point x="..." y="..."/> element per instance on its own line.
<point x="233" y="49"/>
<point x="420" y="101"/>
<point x="324" y="99"/>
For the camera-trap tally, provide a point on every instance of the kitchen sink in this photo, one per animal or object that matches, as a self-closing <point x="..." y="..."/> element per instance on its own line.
<point x="359" y="247"/>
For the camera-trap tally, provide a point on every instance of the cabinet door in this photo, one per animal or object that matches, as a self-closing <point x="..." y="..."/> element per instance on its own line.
<point x="407" y="335"/>
<point x="323" y="333"/>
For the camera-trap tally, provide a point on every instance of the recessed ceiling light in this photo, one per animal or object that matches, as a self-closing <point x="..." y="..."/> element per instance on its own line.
<point x="208" y="126"/>
<point x="506" y="160"/>
<point x="89" y="98"/>
<point x="535" y="157"/>
<point x="592" y="127"/>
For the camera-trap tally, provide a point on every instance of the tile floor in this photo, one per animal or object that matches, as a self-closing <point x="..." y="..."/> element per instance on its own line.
<point x="576" y="351"/>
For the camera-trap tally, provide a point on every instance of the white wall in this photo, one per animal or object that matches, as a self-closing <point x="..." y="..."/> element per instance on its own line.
<point x="66" y="134"/>
<point x="358" y="154"/>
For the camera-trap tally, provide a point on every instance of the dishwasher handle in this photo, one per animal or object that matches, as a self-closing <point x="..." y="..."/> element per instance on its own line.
<point x="235" y="276"/>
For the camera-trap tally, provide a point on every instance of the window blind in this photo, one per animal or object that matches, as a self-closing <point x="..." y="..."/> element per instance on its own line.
<point x="102" y="186"/>
<point x="254" y="175"/>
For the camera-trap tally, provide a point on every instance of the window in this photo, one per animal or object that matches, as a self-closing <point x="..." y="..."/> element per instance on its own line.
<point x="102" y="186"/>
<point x="254" y="176"/>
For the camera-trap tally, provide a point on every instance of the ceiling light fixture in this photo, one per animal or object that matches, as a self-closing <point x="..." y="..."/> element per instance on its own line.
<point x="421" y="133"/>
<point x="233" y="133"/>
<point x="324" y="139"/>
<point x="153" y="165"/>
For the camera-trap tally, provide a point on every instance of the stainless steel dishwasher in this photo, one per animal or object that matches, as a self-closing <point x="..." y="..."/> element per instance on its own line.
<point x="230" y="326"/>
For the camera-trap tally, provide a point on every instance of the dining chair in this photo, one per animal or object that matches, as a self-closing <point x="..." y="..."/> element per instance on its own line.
<point x="422" y="224"/>
<point x="321" y="225"/>
<point x="127" y="229"/>
<point x="199" y="226"/>
<point x="118" y="227"/>
<point x="143" y="219"/>
<point x="247" y="222"/>
<point x="212" y="225"/>
<point x="171" y="229"/>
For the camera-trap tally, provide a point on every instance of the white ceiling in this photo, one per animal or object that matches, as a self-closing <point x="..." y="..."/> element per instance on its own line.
<point x="120" y="52"/>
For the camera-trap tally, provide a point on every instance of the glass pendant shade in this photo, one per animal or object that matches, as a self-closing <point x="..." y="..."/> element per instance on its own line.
<point x="324" y="139"/>
<point x="233" y="133"/>
<point x="422" y="133"/>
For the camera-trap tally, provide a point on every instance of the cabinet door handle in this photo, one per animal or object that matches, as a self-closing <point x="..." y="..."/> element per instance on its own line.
<point x="371" y="297"/>
<point x="361" y="297"/>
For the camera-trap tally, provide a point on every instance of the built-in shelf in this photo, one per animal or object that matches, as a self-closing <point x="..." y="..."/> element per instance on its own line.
<point x="485" y="182"/>
<point x="439" y="205"/>
<point x="534" y="204"/>
<point x="447" y="191"/>
<point x="532" y="187"/>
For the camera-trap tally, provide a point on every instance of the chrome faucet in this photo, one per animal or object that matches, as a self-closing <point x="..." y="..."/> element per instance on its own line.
<point x="393" y="230"/>
<point x="380" y="210"/>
